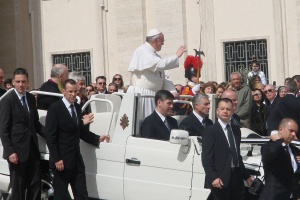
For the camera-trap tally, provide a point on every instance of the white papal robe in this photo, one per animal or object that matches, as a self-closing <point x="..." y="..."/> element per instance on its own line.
<point x="147" y="75"/>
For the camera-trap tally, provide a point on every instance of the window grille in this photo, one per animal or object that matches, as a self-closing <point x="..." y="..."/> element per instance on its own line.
<point x="238" y="55"/>
<point x="79" y="62"/>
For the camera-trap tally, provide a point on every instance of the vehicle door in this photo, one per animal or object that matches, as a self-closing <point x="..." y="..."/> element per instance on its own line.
<point x="157" y="169"/>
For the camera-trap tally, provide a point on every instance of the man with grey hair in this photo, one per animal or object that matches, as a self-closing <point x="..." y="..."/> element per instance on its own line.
<point x="195" y="122"/>
<point x="244" y="96"/>
<point x="147" y="69"/>
<point x="80" y="81"/>
<point x="2" y="91"/>
<point x="59" y="73"/>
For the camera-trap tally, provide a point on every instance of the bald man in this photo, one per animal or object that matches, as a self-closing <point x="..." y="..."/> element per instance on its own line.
<point x="59" y="73"/>
<point x="280" y="161"/>
<point x="229" y="94"/>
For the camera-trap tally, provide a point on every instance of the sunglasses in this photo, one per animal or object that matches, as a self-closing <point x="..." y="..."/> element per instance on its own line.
<point x="269" y="90"/>
<point x="117" y="79"/>
<point x="257" y="94"/>
<point x="102" y="83"/>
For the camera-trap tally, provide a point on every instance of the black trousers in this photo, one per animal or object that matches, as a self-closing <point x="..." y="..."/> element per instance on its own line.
<point x="234" y="190"/>
<point x="26" y="176"/>
<point x="76" y="178"/>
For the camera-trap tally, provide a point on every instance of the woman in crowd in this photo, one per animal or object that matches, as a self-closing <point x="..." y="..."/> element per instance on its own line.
<point x="258" y="112"/>
<point x="209" y="88"/>
<point x="89" y="91"/>
<point x="112" y="87"/>
<point x="118" y="79"/>
<point x="282" y="91"/>
<point x="219" y="91"/>
<point x="254" y="81"/>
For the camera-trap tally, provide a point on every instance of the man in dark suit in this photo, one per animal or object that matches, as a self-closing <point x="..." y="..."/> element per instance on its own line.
<point x="198" y="119"/>
<point x="221" y="157"/>
<point x="296" y="78"/>
<point x="59" y="73"/>
<point x="281" y="164"/>
<point x="272" y="118"/>
<point x="158" y="125"/>
<point x="289" y="106"/>
<point x="19" y="123"/>
<point x="63" y="130"/>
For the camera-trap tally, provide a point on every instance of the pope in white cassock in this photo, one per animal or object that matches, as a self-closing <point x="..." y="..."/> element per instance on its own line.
<point x="147" y="69"/>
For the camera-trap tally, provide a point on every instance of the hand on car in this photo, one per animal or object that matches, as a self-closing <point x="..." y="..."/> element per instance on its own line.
<point x="87" y="119"/>
<point x="104" y="137"/>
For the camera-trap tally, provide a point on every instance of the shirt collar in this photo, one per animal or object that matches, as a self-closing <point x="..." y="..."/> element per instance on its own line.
<point x="223" y="124"/>
<point x="19" y="94"/>
<point x="66" y="102"/>
<point x="161" y="116"/>
<point x="283" y="144"/>
<point x="198" y="116"/>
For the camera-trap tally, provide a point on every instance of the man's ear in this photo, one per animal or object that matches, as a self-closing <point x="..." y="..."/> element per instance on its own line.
<point x="280" y="131"/>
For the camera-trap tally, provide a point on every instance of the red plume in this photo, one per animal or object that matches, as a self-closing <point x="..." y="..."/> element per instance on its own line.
<point x="192" y="60"/>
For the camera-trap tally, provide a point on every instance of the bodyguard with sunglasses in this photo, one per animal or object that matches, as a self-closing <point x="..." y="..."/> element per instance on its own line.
<point x="101" y="85"/>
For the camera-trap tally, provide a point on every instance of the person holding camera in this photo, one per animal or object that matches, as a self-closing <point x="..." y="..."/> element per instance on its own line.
<point x="281" y="164"/>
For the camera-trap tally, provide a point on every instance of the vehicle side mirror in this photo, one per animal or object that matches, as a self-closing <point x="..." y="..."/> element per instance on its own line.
<point x="179" y="137"/>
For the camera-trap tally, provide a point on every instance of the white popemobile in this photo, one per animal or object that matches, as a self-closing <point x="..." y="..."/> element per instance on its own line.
<point x="130" y="167"/>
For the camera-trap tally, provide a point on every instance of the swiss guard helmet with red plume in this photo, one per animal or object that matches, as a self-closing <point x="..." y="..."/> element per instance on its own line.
<point x="191" y="66"/>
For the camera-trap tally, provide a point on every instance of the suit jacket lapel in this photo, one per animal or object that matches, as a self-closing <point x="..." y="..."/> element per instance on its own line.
<point x="295" y="153"/>
<point x="158" y="119"/>
<point x="18" y="102"/>
<point x="196" y="121"/>
<point x="66" y="112"/>
<point x="222" y="134"/>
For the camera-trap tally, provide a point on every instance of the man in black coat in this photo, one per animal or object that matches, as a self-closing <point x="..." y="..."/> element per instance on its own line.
<point x="158" y="125"/>
<point x="59" y="73"/>
<point x="280" y="163"/>
<point x="19" y="123"/>
<point x="64" y="129"/>
<point x="221" y="159"/>
<point x="198" y="119"/>
<point x="272" y="118"/>
<point x="289" y="106"/>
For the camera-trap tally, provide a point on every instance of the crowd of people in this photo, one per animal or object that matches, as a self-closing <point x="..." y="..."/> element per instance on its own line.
<point x="242" y="102"/>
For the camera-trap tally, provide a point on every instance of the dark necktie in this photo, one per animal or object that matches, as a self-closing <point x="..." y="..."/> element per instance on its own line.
<point x="204" y="122"/>
<point x="24" y="104"/>
<point x="74" y="117"/>
<point x="232" y="146"/>
<point x="167" y="125"/>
